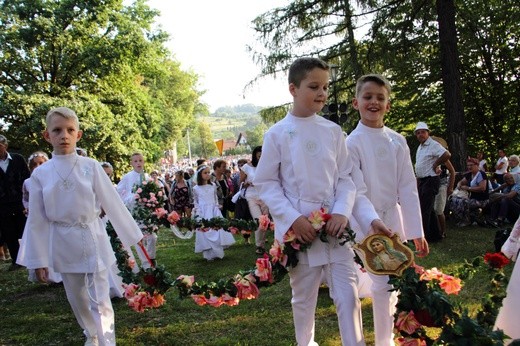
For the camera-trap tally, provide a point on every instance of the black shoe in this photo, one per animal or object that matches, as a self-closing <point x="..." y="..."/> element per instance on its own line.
<point x="496" y="223"/>
<point x="14" y="266"/>
<point x="259" y="250"/>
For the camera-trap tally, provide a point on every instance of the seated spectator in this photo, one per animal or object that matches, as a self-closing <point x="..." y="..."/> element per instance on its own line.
<point x="475" y="182"/>
<point x="514" y="167"/>
<point x="507" y="203"/>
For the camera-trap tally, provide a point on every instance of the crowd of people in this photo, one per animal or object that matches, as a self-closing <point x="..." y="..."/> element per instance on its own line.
<point x="366" y="181"/>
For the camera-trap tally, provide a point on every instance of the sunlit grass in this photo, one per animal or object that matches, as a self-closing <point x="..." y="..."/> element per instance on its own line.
<point x="40" y="315"/>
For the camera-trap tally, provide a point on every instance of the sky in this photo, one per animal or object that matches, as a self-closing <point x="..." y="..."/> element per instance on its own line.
<point x="209" y="37"/>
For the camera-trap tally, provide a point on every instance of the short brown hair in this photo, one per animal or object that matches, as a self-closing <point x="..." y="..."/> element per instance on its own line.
<point x="302" y="66"/>
<point x="373" y="77"/>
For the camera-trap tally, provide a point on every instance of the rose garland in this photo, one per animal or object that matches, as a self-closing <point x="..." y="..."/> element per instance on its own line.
<point x="423" y="302"/>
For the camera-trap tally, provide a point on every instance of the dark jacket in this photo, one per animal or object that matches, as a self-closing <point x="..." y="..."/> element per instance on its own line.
<point x="11" y="183"/>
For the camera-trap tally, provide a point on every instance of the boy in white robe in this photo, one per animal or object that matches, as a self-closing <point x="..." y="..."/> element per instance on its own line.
<point x="304" y="166"/>
<point x="63" y="230"/>
<point x="126" y="189"/>
<point x="384" y="159"/>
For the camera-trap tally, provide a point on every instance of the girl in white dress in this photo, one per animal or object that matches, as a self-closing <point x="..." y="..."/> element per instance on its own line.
<point x="507" y="318"/>
<point x="212" y="242"/>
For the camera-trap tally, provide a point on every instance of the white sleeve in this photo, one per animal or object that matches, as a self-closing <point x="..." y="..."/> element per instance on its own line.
<point x="512" y="244"/>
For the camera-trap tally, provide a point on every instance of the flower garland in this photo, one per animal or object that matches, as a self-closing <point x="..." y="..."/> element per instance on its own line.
<point x="149" y="212"/>
<point x="423" y="302"/>
<point x="146" y="289"/>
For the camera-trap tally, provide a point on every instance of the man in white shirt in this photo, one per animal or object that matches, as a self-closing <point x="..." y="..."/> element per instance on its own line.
<point x="501" y="166"/>
<point x="429" y="156"/>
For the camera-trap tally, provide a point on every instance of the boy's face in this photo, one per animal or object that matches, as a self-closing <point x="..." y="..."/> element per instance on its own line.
<point x="311" y="95"/>
<point x="62" y="134"/>
<point x="372" y="103"/>
<point x="137" y="163"/>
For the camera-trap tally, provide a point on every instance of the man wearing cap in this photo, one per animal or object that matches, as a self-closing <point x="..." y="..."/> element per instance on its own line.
<point x="13" y="172"/>
<point x="429" y="156"/>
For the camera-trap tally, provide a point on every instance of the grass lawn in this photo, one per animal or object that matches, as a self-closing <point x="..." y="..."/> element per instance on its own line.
<point x="34" y="314"/>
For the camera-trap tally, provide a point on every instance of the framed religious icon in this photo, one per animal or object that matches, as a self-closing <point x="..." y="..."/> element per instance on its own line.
<point x="382" y="255"/>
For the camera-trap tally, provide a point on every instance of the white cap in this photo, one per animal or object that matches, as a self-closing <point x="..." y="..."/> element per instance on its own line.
<point x="421" y="126"/>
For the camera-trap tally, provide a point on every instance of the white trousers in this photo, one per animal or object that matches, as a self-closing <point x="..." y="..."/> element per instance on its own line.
<point x="150" y="245"/>
<point x="88" y="296"/>
<point x="383" y="307"/>
<point x="341" y="279"/>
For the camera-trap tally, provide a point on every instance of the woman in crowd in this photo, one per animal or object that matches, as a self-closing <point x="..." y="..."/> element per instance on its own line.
<point x="475" y="182"/>
<point x="256" y="206"/>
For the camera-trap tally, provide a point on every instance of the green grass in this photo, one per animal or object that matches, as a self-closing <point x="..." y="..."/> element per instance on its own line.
<point x="33" y="314"/>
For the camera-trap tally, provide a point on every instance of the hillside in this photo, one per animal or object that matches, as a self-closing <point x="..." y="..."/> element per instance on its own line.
<point x="227" y="122"/>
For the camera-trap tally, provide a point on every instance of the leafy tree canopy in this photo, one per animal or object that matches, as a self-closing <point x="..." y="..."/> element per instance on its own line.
<point x="102" y="59"/>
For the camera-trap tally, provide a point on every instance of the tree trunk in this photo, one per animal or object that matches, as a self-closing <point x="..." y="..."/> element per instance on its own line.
<point x="454" y="110"/>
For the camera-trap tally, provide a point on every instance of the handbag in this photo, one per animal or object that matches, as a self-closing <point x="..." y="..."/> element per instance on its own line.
<point x="460" y="194"/>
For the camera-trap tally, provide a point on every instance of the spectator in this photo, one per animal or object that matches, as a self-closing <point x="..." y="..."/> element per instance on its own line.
<point x="501" y="166"/>
<point x="482" y="163"/>
<point x="507" y="203"/>
<point x="219" y="179"/>
<point x="235" y="177"/>
<point x="13" y="172"/>
<point x="181" y="196"/>
<point x="475" y="182"/>
<point x="447" y="182"/>
<point x="430" y="155"/>
<point x="256" y="206"/>
<point x="514" y="167"/>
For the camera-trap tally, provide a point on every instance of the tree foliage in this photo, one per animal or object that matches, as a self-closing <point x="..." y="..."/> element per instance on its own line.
<point x="403" y="42"/>
<point x="102" y="59"/>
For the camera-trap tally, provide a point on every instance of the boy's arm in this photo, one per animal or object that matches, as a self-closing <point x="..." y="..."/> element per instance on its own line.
<point x="119" y="216"/>
<point x="408" y="196"/>
<point x="268" y="182"/>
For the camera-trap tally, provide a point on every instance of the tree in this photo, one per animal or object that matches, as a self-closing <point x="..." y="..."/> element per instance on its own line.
<point x="205" y="140"/>
<point x="255" y="136"/>
<point x="415" y="45"/>
<point x="100" y="58"/>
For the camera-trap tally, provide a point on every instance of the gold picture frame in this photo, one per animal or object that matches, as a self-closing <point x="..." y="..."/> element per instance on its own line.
<point x="382" y="255"/>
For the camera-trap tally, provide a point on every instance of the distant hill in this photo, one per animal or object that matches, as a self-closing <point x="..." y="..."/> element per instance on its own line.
<point x="227" y="122"/>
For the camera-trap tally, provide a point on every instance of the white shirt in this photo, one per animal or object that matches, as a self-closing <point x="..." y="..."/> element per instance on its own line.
<point x="502" y="170"/>
<point x="126" y="185"/>
<point x="427" y="153"/>
<point x="304" y="166"/>
<point x="5" y="163"/>
<point x="249" y="171"/>
<point x="63" y="229"/>
<point x="384" y="159"/>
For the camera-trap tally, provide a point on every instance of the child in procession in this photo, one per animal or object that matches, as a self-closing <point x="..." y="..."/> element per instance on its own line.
<point x="383" y="157"/>
<point x="206" y="206"/>
<point x="63" y="231"/>
<point x="304" y="167"/>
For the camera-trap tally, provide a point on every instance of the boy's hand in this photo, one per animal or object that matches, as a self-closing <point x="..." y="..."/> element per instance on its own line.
<point x="303" y="230"/>
<point x="336" y="225"/>
<point x="42" y="274"/>
<point x="421" y="247"/>
<point x="378" y="227"/>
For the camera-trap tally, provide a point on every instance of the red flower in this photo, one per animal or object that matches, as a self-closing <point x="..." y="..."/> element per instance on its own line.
<point x="496" y="260"/>
<point x="149" y="279"/>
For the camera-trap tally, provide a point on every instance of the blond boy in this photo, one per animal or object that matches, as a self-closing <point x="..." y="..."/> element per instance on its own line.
<point x="63" y="231"/>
